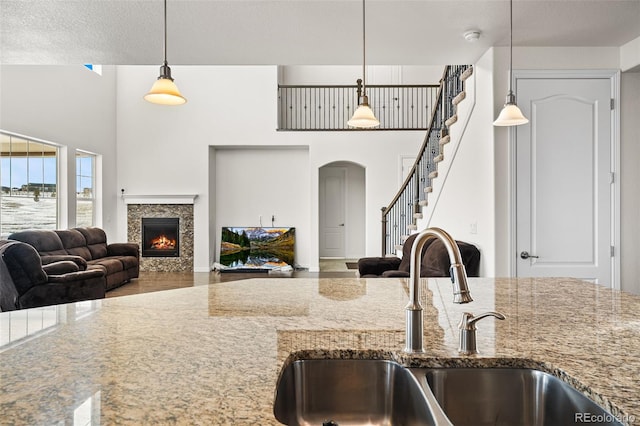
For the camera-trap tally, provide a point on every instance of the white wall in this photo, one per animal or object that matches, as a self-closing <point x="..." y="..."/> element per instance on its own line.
<point x="254" y="184"/>
<point x="166" y="150"/>
<point x="465" y="207"/>
<point x="630" y="176"/>
<point x="70" y="106"/>
<point x="376" y="74"/>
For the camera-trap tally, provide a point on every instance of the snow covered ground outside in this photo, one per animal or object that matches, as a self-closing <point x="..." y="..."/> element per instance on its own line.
<point x="19" y="213"/>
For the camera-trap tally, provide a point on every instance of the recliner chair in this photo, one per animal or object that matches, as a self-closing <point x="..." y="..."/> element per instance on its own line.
<point x="435" y="261"/>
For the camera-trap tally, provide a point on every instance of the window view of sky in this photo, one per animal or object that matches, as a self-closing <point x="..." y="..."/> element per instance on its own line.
<point x="15" y="172"/>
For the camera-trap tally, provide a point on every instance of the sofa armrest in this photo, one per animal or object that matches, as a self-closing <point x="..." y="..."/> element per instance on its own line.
<point x="377" y="265"/>
<point x="60" y="268"/>
<point x="123" y="249"/>
<point x="78" y="260"/>
<point x="76" y="276"/>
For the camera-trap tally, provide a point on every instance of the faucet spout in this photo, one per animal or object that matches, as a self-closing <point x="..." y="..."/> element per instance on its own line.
<point x="414" y="332"/>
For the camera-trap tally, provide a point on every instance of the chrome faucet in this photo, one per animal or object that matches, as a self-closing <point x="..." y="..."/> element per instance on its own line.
<point x="414" y="337"/>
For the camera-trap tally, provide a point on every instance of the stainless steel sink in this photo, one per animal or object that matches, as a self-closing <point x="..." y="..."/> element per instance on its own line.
<point x="349" y="392"/>
<point x="506" y="396"/>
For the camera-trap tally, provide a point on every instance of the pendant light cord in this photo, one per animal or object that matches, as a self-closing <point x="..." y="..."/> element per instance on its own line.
<point x="510" y="45"/>
<point x="165" y="32"/>
<point x="364" y="50"/>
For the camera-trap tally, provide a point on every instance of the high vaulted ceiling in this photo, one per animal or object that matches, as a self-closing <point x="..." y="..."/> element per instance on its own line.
<point x="299" y="32"/>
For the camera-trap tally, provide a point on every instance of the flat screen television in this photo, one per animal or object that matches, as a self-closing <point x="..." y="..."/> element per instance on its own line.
<point x="256" y="248"/>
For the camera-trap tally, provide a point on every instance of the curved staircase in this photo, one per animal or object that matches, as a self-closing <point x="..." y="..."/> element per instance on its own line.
<point x="410" y="207"/>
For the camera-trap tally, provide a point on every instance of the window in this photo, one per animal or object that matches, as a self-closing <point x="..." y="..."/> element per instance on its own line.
<point x="85" y="189"/>
<point x="29" y="180"/>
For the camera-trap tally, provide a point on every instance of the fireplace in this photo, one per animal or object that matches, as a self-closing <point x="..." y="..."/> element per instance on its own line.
<point x="160" y="237"/>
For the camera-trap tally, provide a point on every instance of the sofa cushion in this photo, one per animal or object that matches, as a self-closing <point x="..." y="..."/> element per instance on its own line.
<point x="128" y="262"/>
<point x="375" y="266"/>
<point x="405" y="264"/>
<point x="111" y="264"/>
<point x="74" y="243"/>
<point x="436" y="263"/>
<point x="96" y="241"/>
<point x="46" y="242"/>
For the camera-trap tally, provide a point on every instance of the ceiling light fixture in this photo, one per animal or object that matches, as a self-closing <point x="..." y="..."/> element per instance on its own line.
<point x="510" y="114"/>
<point x="363" y="117"/>
<point x="164" y="91"/>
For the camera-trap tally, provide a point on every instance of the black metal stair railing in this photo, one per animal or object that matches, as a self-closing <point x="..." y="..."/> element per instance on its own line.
<point x="399" y="217"/>
<point x="313" y="108"/>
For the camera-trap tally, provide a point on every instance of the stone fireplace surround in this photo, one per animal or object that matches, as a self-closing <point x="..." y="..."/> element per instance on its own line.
<point x="157" y="206"/>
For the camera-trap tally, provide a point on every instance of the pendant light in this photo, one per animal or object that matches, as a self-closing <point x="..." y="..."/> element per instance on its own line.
<point x="363" y="117"/>
<point x="510" y="114"/>
<point x="164" y="91"/>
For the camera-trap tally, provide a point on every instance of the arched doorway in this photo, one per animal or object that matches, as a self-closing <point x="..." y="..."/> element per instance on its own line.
<point x="341" y="213"/>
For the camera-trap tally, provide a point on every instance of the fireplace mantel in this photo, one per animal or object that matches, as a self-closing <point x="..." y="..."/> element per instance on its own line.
<point x="160" y="199"/>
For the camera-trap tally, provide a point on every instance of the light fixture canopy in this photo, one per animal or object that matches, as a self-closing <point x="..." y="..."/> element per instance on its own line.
<point x="510" y="114"/>
<point x="164" y="91"/>
<point x="363" y="117"/>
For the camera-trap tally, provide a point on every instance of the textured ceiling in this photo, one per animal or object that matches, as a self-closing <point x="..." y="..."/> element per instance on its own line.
<point x="290" y="32"/>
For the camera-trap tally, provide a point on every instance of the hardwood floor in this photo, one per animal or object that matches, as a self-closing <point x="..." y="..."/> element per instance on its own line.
<point x="158" y="281"/>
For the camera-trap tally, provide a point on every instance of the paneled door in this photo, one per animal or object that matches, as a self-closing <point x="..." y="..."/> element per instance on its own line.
<point x="564" y="178"/>
<point x="332" y="211"/>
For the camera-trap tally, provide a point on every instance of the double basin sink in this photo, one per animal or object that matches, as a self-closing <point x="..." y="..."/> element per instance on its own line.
<point x="332" y="392"/>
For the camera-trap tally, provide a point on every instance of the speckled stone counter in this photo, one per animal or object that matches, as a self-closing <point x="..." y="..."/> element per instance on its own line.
<point x="212" y="354"/>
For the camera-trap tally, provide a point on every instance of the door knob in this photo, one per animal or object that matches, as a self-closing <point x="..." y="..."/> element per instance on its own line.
<point x="525" y="255"/>
<point x="341" y="224"/>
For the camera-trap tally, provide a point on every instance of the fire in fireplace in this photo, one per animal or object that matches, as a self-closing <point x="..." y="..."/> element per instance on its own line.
<point x="160" y="237"/>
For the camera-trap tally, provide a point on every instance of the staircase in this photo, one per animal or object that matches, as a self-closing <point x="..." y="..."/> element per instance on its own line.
<point x="402" y="216"/>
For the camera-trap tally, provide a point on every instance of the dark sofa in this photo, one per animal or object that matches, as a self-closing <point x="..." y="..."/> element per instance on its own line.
<point x="435" y="261"/>
<point x="26" y="283"/>
<point x="88" y="248"/>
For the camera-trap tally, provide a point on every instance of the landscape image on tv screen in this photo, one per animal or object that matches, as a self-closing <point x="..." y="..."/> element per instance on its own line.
<point x="257" y="248"/>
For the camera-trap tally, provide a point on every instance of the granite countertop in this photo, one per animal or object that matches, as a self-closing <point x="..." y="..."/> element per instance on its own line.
<point x="212" y="354"/>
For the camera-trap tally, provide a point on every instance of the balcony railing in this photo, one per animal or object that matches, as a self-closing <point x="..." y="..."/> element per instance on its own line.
<point x="314" y="108"/>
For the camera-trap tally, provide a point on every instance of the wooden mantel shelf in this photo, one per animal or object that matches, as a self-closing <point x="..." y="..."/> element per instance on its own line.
<point x="160" y="199"/>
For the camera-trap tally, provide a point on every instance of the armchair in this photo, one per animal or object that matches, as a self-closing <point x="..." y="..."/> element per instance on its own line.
<point x="435" y="261"/>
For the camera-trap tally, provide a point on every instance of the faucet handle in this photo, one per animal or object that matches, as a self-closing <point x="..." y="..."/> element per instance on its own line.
<point x="467" y="326"/>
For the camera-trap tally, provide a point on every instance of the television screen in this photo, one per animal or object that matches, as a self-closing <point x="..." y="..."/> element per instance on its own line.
<point x="248" y="248"/>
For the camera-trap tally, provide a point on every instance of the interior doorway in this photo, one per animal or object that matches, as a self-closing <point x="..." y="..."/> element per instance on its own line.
<point x="565" y="166"/>
<point x="341" y="213"/>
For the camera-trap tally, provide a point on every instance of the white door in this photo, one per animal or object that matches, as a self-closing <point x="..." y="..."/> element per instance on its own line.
<point x="564" y="180"/>
<point x="332" y="211"/>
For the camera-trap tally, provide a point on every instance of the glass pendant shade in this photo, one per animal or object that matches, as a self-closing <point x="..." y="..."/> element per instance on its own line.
<point x="510" y="114"/>
<point x="164" y="91"/>
<point x="363" y="117"/>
